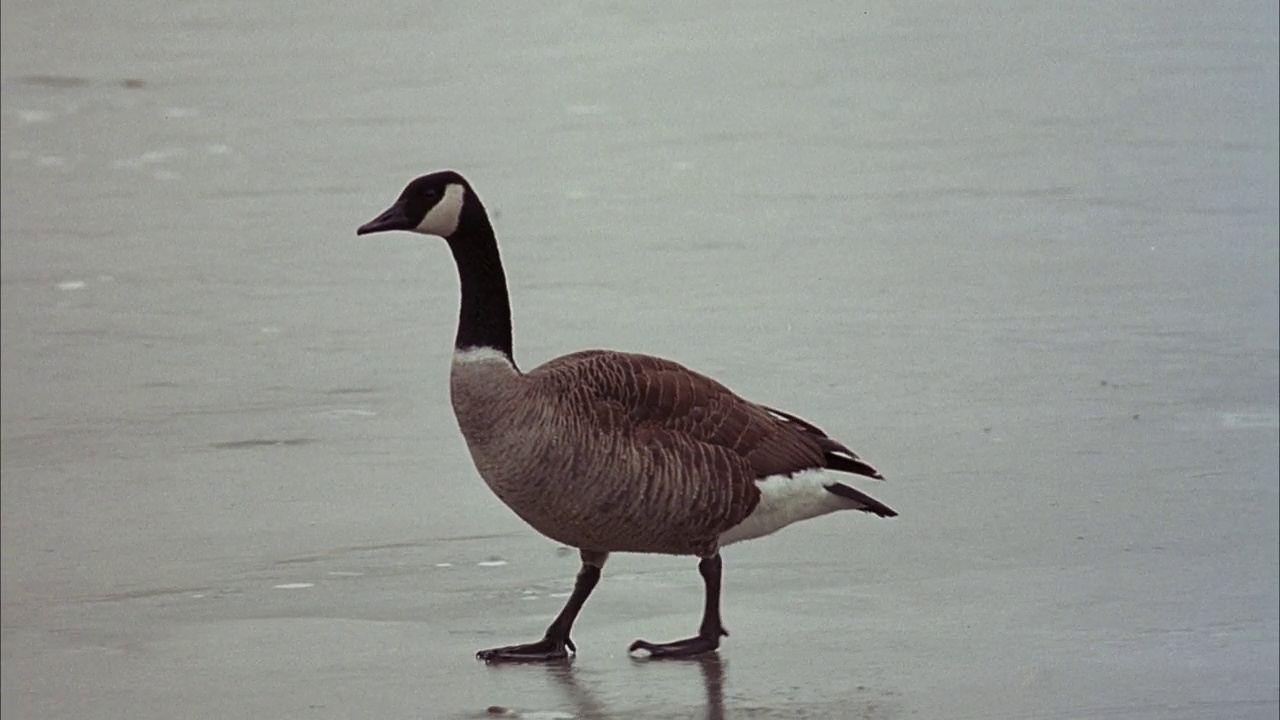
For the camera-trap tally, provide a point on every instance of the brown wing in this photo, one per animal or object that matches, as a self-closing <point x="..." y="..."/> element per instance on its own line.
<point x="703" y="446"/>
<point x="836" y="455"/>
<point x="658" y="394"/>
<point x="710" y="441"/>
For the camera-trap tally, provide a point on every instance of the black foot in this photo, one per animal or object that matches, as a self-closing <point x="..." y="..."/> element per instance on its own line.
<point x="689" y="647"/>
<point x="545" y="650"/>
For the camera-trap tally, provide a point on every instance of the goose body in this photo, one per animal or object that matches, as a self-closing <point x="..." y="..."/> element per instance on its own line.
<point x="609" y="451"/>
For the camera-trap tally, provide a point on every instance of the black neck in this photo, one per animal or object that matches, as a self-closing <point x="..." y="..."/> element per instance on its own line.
<point x="484" y="320"/>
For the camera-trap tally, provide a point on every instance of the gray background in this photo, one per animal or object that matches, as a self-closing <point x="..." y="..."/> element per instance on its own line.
<point x="1022" y="257"/>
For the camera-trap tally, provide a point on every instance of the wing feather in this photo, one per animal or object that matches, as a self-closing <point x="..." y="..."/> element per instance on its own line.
<point x="651" y="394"/>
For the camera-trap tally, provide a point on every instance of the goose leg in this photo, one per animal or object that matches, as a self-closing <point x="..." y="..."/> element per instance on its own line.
<point x="555" y="644"/>
<point x="709" y="632"/>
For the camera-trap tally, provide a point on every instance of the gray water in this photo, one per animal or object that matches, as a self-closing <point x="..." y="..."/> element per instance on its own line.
<point x="1023" y="258"/>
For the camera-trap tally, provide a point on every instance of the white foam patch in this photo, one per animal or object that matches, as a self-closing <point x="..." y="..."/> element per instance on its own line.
<point x="492" y="563"/>
<point x="353" y="413"/>
<point x="71" y="285"/>
<point x="444" y="564"/>
<point x="1263" y="420"/>
<point x="785" y="500"/>
<point x="498" y="711"/>
<point x="293" y="586"/>
<point x="152" y="157"/>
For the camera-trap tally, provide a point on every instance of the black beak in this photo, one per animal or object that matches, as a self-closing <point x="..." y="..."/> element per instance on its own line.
<point x="393" y="218"/>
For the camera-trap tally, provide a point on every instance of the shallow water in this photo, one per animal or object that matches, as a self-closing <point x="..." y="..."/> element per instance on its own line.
<point x="1024" y="261"/>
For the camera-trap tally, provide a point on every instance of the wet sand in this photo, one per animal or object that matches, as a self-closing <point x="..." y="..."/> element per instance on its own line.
<point x="1025" y="262"/>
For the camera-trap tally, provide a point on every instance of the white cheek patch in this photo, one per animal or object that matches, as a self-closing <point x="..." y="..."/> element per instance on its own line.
<point x="442" y="218"/>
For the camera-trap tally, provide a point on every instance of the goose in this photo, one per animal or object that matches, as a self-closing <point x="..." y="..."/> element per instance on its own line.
<point x="609" y="452"/>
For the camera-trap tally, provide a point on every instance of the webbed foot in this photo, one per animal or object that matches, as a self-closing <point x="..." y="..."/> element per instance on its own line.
<point x="703" y="642"/>
<point x="545" y="650"/>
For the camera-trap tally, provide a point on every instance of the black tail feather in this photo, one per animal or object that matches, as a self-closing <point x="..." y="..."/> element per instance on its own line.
<point x="865" y="501"/>
<point x="851" y="465"/>
<point x="836" y="454"/>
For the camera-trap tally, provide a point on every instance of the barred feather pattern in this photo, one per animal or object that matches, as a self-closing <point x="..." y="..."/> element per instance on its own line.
<point x="618" y="452"/>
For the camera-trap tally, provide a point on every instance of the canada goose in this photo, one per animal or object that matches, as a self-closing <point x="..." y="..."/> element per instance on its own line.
<point x="608" y="451"/>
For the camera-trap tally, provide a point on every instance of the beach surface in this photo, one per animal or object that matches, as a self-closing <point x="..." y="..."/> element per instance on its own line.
<point x="1023" y="259"/>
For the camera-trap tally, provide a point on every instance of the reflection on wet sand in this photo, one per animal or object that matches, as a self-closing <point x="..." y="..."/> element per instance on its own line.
<point x="668" y="689"/>
<point x="592" y="699"/>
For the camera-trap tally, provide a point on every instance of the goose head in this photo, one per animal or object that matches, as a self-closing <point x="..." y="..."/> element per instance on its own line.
<point x="433" y="204"/>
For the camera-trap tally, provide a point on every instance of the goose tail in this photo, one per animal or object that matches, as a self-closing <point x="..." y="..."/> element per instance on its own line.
<point x="860" y="500"/>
